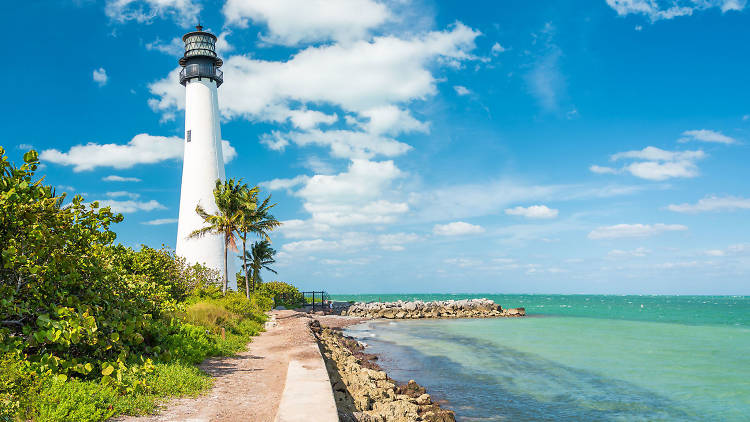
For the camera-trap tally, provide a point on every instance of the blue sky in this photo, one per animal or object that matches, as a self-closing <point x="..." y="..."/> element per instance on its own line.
<point x="418" y="146"/>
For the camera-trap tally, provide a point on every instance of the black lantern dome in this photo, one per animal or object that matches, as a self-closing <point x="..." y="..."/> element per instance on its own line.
<point x="200" y="59"/>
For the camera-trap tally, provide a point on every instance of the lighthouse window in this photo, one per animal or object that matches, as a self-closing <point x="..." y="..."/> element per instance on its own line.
<point x="188" y="136"/>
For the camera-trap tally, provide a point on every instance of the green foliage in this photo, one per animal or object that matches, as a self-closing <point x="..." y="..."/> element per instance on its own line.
<point x="89" y="329"/>
<point x="81" y="400"/>
<point x="285" y="294"/>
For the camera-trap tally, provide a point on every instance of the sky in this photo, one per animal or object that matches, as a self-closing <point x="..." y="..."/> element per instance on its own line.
<point x="595" y="146"/>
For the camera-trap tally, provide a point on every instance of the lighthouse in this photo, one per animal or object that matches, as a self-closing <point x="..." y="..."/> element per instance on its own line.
<point x="203" y="162"/>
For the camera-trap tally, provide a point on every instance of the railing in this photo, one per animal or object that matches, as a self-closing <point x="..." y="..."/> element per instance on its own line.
<point x="201" y="71"/>
<point x="319" y="299"/>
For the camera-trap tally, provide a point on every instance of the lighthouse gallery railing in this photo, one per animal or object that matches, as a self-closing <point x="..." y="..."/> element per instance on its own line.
<point x="201" y="71"/>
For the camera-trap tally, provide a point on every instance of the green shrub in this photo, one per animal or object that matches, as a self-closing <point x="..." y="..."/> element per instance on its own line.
<point x="284" y="294"/>
<point x="90" y="328"/>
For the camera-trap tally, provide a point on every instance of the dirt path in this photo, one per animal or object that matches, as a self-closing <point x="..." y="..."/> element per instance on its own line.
<point x="248" y="386"/>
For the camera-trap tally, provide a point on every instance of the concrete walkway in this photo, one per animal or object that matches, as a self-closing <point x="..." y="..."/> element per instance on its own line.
<point x="281" y="377"/>
<point x="307" y="392"/>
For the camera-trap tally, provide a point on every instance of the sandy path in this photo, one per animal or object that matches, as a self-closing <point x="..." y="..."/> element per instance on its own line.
<point x="248" y="386"/>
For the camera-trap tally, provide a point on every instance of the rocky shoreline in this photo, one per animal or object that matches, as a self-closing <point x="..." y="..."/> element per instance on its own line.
<point x="363" y="392"/>
<point x="466" y="308"/>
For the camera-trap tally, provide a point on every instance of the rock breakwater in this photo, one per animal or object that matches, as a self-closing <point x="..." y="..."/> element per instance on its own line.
<point x="364" y="393"/>
<point x="465" y="308"/>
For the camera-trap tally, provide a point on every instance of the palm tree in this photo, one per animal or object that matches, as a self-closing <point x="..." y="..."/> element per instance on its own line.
<point x="256" y="219"/>
<point x="259" y="257"/>
<point x="226" y="220"/>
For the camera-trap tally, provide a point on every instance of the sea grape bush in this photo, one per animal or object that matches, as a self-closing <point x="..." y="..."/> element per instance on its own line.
<point x="74" y="306"/>
<point x="285" y="294"/>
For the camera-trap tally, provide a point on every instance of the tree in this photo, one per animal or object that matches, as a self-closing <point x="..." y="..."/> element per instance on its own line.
<point x="256" y="219"/>
<point x="226" y="221"/>
<point x="259" y="257"/>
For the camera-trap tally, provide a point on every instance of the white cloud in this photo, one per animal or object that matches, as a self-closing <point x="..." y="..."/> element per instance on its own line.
<point x="354" y="196"/>
<point x="638" y="252"/>
<point x="285" y="184"/>
<point x="658" y="154"/>
<point x="704" y="135"/>
<point x="142" y="149"/>
<point x="715" y="252"/>
<point x="633" y="230"/>
<point x="123" y="194"/>
<point x="534" y="211"/>
<point x="457" y="228"/>
<point x="656" y="10"/>
<point x="461" y="90"/>
<point x="463" y="262"/>
<point x="369" y="80"/>
<point x="545" y="79"/>
<point x="343" y="143"/>
<point x="175" y="48"/>
<point x="396" y="241"/>
<point x="227" y="151"/>
<point x="116" y="178"/>
<point x="25" y="147"/>
<point x="130" y="206"/>
<point x="309" y="246"/>
<point x="602" y="169"/>
<point x="713" y="203"/>
<point x="497" y="49"/>
<point x="653" y="163"/>
<point x="100" y="76"/>
<point x="308" y="119"/>
<point x="160" y="221"/>
<point x="291" y="22"/>
<point x="652" y="170"/>
<point x="144" y="11"/>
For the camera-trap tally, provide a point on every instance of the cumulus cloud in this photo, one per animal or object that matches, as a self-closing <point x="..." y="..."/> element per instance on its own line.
<point x="142" y="149"/>
<point x="704" y="135"/>
<point x="100" y="76"/>
<point x="396" y="241"/>
<point x="534" y="211"/>
<point x="160" y="221"/>
<point x="713" y="204"/>
<point x="291" y="22"/>
<point x="131" y="205"/>
<point x="116" y="178"/>
<point x="285" y="184"/>
<point x="633" y="230"/>
<point x="659" y="10"/>
<point x="457" y="228"/>
<point x="653" y="163"/>
<point x="145" y="11"/>
<point x="370" y="80"/>
<point x="309" y="246"/>
<point x="355" y="196"/>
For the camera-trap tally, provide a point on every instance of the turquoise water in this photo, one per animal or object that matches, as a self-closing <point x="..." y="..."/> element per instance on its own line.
<point x="587" y="358"/>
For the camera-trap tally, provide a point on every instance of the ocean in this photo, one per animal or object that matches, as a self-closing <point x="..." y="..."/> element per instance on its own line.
<point x="577" y="357"/>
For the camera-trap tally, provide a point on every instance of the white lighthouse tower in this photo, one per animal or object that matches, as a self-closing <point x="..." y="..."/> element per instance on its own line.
<point x="203" y="161"/>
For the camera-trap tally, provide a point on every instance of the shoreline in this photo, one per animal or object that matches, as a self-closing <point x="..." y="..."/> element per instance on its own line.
<point x="363" y="392"/>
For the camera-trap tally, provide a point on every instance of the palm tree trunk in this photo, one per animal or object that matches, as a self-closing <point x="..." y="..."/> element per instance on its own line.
<point x="226" y="269"/>
<point x="244" y="264"/>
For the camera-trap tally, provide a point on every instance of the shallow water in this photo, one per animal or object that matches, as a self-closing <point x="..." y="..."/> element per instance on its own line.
<point x="609" y="360"/>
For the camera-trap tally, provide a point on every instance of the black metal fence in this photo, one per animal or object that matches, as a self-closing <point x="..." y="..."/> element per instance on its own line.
<point x="320" y="299"/>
